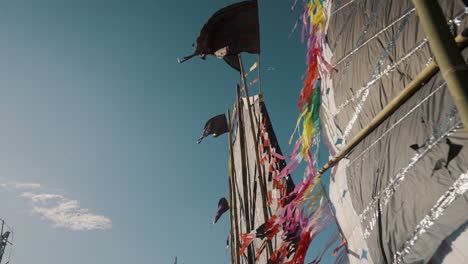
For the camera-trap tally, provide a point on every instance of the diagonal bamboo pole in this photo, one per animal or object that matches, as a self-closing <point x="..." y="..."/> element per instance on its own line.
<point x="390" y="108"/>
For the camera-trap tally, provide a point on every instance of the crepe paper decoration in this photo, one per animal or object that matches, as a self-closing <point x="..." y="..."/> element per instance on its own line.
<point x="260" y="250"/>
<point x="278" y="156"/>
<point x="254" y="81"/>
<point x="305" y="211"/>
<point x="343" y="243"/>
<point x="296" y="24"/>
<point x="216" y="126"/>
<point x="293" y="5"/>
<point x="294" y="162"/>
<point x="311" y="120"/>
<point x="223" y="207"/>
<point x="331" y="240"/>
<point x="309" y="101"/>
<point x="254" y="66"/>
<point x="299" y="221"/>
<point x="228" y="32"/>
<point x="246" y="240"/>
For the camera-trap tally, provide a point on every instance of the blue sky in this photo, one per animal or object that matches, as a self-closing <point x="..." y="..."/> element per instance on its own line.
<point x="101" y="121"/>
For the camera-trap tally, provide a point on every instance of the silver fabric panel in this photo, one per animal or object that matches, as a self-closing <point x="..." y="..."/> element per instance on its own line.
<point x="398" y="173"/>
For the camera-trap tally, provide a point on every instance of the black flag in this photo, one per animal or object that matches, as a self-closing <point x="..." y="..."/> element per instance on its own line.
<point x="230" y="31"/>
<point x="233" y="61"/>
<point x="223" y="206"/>
<point x="215" y="126"/>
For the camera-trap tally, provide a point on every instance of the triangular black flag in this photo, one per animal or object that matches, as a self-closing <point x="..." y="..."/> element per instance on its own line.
<point x="230" y="31"/>
<point x="215" y="126"/>
<point x="223" y="206"/>
<point x="233" y="61"/>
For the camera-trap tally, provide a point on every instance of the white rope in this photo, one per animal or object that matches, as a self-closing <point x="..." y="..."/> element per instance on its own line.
<point x="390" y="68"/>
<point x="398" y="122"/>
<point x="343" y="6"/>
<point x="410" y="12"/>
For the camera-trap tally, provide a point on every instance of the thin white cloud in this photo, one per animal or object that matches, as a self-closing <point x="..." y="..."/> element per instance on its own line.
<point x="20" y="185"/>
<point x="43" y="197"/>
<point x="61" y="211"/>
<point x="66" y="213"/>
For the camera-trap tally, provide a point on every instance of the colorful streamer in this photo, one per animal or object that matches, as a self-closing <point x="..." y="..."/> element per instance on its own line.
<point x="305" y="212"/>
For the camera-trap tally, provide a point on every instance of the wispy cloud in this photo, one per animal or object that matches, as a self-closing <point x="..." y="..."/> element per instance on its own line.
<point x="20" y="185"/>
<point x="66" y="213"/>
<point x="43" y="197"/>
<point x="61" y="211"/>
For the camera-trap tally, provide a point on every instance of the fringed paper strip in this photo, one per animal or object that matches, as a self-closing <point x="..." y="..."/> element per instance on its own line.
<point x="299" y="221"/>
<point x="304" y="212"/>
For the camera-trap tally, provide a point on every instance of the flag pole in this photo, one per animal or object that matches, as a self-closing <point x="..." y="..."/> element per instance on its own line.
<point x="259" y="76"/>
<point x="241" y="137"/>
<point x="233" y="199"/>
<point x="257" y="156"/>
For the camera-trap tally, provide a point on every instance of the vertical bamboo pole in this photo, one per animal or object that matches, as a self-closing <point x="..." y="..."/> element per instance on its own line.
<point x="259" y="75"/>
<point x="262" y="180"/>
<point x="448" y="56"/>
<point x="235" y="258"/>
<point x="241" y="137"/>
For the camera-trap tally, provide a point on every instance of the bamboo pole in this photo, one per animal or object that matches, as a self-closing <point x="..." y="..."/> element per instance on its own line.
<point x="451" y="62"/>
<point x="241" y="136"/>
<point x="259" y="75"/>
<point x="390" y="108"/>
<point x="262" y="180"/>
<point x="235" y="258"/>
